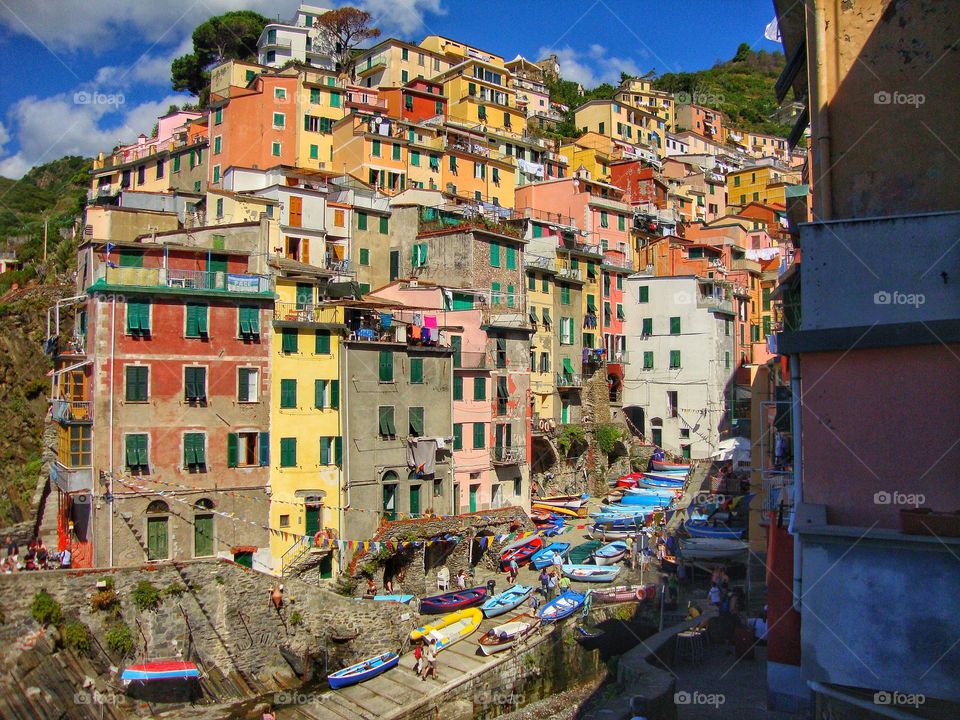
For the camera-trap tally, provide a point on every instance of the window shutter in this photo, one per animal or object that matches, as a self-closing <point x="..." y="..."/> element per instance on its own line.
<point x="319" y="393"/>
<point x="264" y="449"/>
<point x="325" y="450"/>
<point x="479" y="439"/>
<point x="193" y="326"/>
<point x="338" y="451"/>
<point x="479" y="388"/>
<point x="458" y="436"/>
<point x="335" y="394"/>
<point x="202" y="325"/>
<point x="386" y="366"/>
<point x="131" y="447"/>
<point x="674" y="326"/>
<point x="322" y="342"/>
<point x="644" y="293"/>
<point x="416" y="421"/>
<point x="511" y="258"/>
<point x="494" y="255"/>
<point x="456" y="343"/>
<point x="458" y="387"/>
<point x="233" y="450"/>
<point x="416" y="370"/>
<point x="289" y="340"/>
<point x="243" y="382"/>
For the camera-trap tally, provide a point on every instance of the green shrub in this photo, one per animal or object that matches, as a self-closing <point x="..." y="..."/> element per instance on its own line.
<point x="106" y="600"/>
<point x="607" y="437"/>
<point x="218" y="579"/>
<point x="107" y="582"/>
<point x="568" y="436"/>
<point x="346" y="586"/>
<point x="146" y="596"/>
<point x="119" y="639"/>
<point x="175" y="589"/>
<point x="76" y="635"/>
<point x="45" y="609"/>
<point x="296" y="618"/>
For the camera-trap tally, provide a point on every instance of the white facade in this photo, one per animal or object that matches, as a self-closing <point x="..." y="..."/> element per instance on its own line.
<point x="297" y="40"/>
<point x="683" y="407"/>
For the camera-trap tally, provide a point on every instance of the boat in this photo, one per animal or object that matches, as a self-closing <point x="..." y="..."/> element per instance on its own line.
<point x="638" y="501"/>
<point x="508" y="600"/>
<point x="611" y="553"/>
<point x="544" y="557"/>
<point x="450" y="628"/>
<point x="553" y="529"/>
<point x="664" y="465"/>
<point x="571" y="502"/>
<point x="560" y="607"/>
<point x="405" y="599"/>
<point x="711" y="548"/>
<point x="615" y="528"/>
<point x="619" y="510"/>
<point x="583" y="552"/>
<point x="702" y="530"/>
<point x="624" y="593"/>
<point x="588" y="638"/>
<point x="363" y="670"/>
<point x="590" y="573"/>
<point x="629" y="480"/>
<point x="675" y="478"/>
<point x="579" y="512"/>
<point x="160" y="670"/>
<point x="522" y="553"/>
<point x="643" y="496"/>
<point x="458" y="600"/>
<point x="503" y="637"/>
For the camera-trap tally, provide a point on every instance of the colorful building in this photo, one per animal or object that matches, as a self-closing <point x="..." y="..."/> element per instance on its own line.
<point x="393" y="63"/>
<point x="760" y="183"/>
<point x="622" y="122"/>
<point x="640" y="93"/>
<point x="703" y="121"/>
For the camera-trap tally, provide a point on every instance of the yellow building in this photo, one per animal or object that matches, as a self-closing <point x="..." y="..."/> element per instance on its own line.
<point x="306" y="446"/>
<point x="456" y="51"/>
<point x="477" y="174"/>
<point x="480" y="93"/>
<point x="622" y="122"/>
<point x="320" y="105"/>
<point x="372" y="149"/>
<point x="393" y="63"/>
<point x="541" y="273"/>
<point x="592" y="151"/>
<point x="639" y="93"/>
<point x="759" y="183"/>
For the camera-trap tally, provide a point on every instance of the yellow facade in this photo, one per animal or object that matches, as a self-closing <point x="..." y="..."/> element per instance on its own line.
<point x="621" y="122"/>
<point x="394" y="63"/>
<point x="761" y="183"/>
<point x="457" y="50"/>
<point x="480" y="94"/>
<point x="379" y="160"/>
<point x="593" y="152"/>
<point x="540" y="303"/>
<point x="640" y="93"/>
<point x="425" y="160"/>
<point x="305" y="480"/>
<point x="320" y="104"/>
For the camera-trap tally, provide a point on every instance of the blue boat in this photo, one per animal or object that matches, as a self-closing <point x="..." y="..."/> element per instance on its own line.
<point x="363" y="670"/>
<point x="542" y="558"/>
<point x="701" y="529"/>
<point x="611" y="553"/>
<point x="160" y="670"/>
<point x="405" y="599"/>
<point x="509" y="599"/>
<point x="560" y="607"/>
<point x="677" y="478"/>
<point x="644" y="497"/>
<point x="590" y="573"/>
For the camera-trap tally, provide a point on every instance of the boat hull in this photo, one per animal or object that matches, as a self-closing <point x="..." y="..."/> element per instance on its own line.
<point x="625" y="593"/>
<point x="452" y="601"/>
<point x="518" y="628"/>
<point x="561" y="607"/>
<point x="522" y="553"/>
<point x="590" y="573"/>
<point x="712" y="548"/>
<point x="509" y="599"/>
<point x="544" y="557"/>
<point x="450" y="628"/>
<point x="664" y="466"/>
<point x="363" y="670"/>
<point x="705" y="531"/>
<point x="160" y="670"/>
<point x="611" y="553"/>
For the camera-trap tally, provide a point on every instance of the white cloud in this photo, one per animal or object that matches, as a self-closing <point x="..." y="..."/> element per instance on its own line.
<point x="402" y="17"/>
<point x="592" y="66"/>
<point x="48" y="128"/>
<point x="148" y="69"/>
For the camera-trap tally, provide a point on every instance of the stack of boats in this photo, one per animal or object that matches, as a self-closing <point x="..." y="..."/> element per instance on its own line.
<point x="569" y="505"/>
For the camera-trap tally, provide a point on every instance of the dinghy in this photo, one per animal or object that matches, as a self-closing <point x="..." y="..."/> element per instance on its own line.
<point x="522" y="553"/>
<point x="702" y="530"/>
<point x="560" y="607"/>
<point x="590" y="573"/>
<point x="665" y="466"/>
<point x="508" y="600"/>
<point x="160" y="670"/>
<point x="616" y="528"/>
<point x="580" y="511"/>
<point x="439" y="604"/>
<point x="570" y="502"/>
<point x="611" y="553"/>
<point x="503" y="637"/>
<point x="644" y="496"/>
<point x="624" y="593"/>
<point x="711" y="548"/>
<point x="544" y="557"/>
<point x="363" y="670"/>
<point x="405" y="599"/>
<point x="450" y="628"/>
<point x="675" y="478"/>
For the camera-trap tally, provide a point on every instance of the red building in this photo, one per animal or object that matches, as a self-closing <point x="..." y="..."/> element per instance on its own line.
<point x="639" y="183"/>
<point x="416" y="101"/>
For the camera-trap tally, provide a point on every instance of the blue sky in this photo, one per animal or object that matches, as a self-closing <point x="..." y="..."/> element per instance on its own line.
<point x="62" y="53"/>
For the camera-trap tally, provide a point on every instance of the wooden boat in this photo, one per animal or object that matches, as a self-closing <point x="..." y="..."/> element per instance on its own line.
<point x="568" y="501"/>
<point x="160" y="670"/>
<point x="615" y="528"/>
<point x="503" y="637"/>
<point x="450" y="628"/>
<point x="664" y="465"/>
<point x="579" y="512"/>
<point x="522" y="553"/>
<point x="624" y="593"/>
<point x="542" y="517"/>
<point x="363" y="670"/>
<point x="588" y="638"/>
<point x="590" y="573"/>
<point x="509" y="599"/>
<point x="560" y="607"/>
<point x="583" y="552"/>
<point x="629" y="480"/>
<point x="674" y="478"/>
<point x="447" y="602"/>
<point x="544" y="557"/>
<point x="644" y="496"/>
<point x="711" y="548"/>
<point x="702" y="530"/>
<point x="611" y="553"/>
<point x="553" y="529"/>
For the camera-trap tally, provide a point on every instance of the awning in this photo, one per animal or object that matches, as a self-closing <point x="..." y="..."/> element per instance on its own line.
<point x="546" y="316"/>
<point x="533" y="315"/>
<point x="568" y="366"/>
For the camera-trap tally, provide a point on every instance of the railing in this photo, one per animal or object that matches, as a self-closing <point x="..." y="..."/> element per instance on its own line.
<point x="610" y="203"/>
<point x="568" y="272"/>
<point x="549" y="217"/>
<point x="305" y="312"/>
<point x="616" y="259"/>
<point x="186" y="279"/>
<point x="777" y="489"/>
<point x="512" y="455"/>
<point x="65" y="411"/>
<point x="746" y="264"/>
<point x="71" y="480"/>
<point x="710" y="302"/>
<point x="471" y="361"/>
<point x="456" y="222"/>
<point x="101" y="191"/>
<point x="586" y="248"/>
<point x="338" y="266"/>
<point x="278" y="44"/>
<point x="542" y="263"/>
<point x="618" y="358"/>
<point x="569" y="380"/>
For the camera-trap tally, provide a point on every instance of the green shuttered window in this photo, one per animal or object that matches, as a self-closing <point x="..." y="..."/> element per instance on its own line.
<point x="137" y="383"/>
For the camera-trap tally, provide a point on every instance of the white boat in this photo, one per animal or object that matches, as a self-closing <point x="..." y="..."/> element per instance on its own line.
<point x="503" y="637"/>
<point x="611" y="553"/>
<point x="590" y="573"/>
<point x="711" y="548"/>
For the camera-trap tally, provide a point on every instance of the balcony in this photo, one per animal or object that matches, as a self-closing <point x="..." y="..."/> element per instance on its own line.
<point x="373" y="66"/>
<point x="570" y="273"/>
<point x="71" y="480"/>
<point x="710" y="302"/>
<point x="512" y="455"/>
<point x="540" y="263"/>
<point x="189" y="280"/>
<point x="277" y="44"/>
<point x="609" y="204"/>
<point x="306" y="313"/>
<point x="580" y="247"/>
<point x="618" y="259"/>
<point x="569" y="380"/>
<point x="745" y="264"/>
<point x="73" y="411"/>
<point x="618" y="358"/>
<point x="777" y="490"/>
<point x="400" y="327"/>
<point x="433" y="220"/>
<point x="471" y="361"/>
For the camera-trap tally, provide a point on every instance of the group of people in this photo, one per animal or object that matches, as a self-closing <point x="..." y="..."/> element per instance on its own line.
<point x="37" y="557"/>
<point x="425" y="659"/>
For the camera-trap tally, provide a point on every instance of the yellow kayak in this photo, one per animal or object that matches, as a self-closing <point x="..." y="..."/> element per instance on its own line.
<point x="582" y="512"/>
<point x="450" y="628"/>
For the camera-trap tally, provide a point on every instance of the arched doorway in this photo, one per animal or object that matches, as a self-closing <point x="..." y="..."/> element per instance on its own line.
<point x="635" y="419"/>
<point x="390" y="484"/>
<point x="203" y="545"/>
<point x="158" y="531"/>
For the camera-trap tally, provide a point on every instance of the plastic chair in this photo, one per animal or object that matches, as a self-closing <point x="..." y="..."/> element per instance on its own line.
<point x="443" y="579"/>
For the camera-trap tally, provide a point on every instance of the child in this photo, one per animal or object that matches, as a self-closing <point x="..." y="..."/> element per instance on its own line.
<point x="418" y="657"/>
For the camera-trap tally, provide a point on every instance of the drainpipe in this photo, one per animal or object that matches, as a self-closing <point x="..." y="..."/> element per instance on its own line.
<point x="819" y="108"/>
<point x="113" y="342"/>
<point x="345" y="470"/>
<point x="797" y="479"/>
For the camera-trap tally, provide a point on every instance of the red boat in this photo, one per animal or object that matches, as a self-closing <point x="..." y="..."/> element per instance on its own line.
<point x="522" y="553"/>
<point x="541" y="517"/>
<point x="629" y="480"/>
<point x="160" y="670"/>
<point x="449" y="602"/>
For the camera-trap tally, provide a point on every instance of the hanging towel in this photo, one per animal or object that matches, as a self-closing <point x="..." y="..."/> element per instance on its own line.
<point x="425" y="334"/>
<point x="414" y="332"/>
<point x="441" y="444"/>
<point x="386" y="320"/>
<point x="430" y="321"/>
<point x="422" y="455"/>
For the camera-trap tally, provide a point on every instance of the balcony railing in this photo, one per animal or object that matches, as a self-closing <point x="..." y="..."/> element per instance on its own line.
<point x="433" y="220"/>
<point x="709" y="302"/>
<point x="305" y="312"/>
<point x="746" y="264"/>
<point x="542" y="263"/>
<point x="617" y="259"/>
<point x="572" y="273"/>
<point x="569" y="380"/>
<point x="471" y="361"/>
<point x="512" y="455"/>
<point x="67" y="411"/>
<point x="71" y="480"/>
<point x="183" y="279"/>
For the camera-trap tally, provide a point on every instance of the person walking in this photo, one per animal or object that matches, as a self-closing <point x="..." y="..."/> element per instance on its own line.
<point x="461" y="580"/>
<point x="564" y="584"/>
<point x="418" y="658"/>
<point x="514" y="570"/>
<point x="544" y="581"/>
<point x="551" y="586"/>
<point x="534" y="602"/>
<point x="430" y="656"/>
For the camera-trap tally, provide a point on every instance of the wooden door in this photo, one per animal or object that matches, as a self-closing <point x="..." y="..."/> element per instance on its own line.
<point x="312" y="520"/>
<point x="296" y="212"/>
<point x="415" y="500"/>
<point x="157" y="544"/>
<point x="474" y="493"/>
<point x="202" y="535"/>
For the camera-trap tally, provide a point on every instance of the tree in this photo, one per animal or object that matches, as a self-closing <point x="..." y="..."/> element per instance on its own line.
<point x="231" y="36"/>
<point x="744" y="51"/>
<point x="345" y="29"/>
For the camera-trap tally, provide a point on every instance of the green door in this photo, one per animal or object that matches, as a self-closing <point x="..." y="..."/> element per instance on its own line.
<point x="462" y="301"/>
<point x="474" y="492"/>
<point x="217" y="273"/>
<point x="312" y="520"/>
<point x="326" y="566"/>
<point x="217" y="263"/>
<point x="202" y="535"/>
<point x="157" y="548"/>
<point x="390" y="502"/>
<point x="564" y="413"/>
<point x="394" y="264"/>
<point x="415" y="500"/>
<point x="244" y="558"/>
<point x="657" y="437"/>
<point x="304" y="295"/>
<point x="685" y="449"/>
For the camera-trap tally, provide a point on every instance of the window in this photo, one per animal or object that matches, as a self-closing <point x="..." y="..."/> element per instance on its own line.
<point x="495" y="293"/>
<point x="288" y="394"/>
<point x="361" y="220"/>
<point x="564" y="294"/>
<point x="604" y="219"/>
<point x="322" y="343"/>
<point x="314" y="152"/>
<point x="511" y="258"/>
<point x="386" y="366"/>
<point x="137" y="458"/>
<point x="404" y="76"/>
<point x="621" y="223"/>
<point x="247" y="449"/>
<point x="438" y="107"/>
<point x="386" y="425"/>
<point x="674" y="359"/>
<point x="415" y="421"/>
<point x="544" y="362"/>
<point x="334" y="99"/>
<point x="331" y="450"/>
<point x="138" y="316"/>
<point x="196" y="321"/>
<point x="375" y="148"/>
<point x="675" y="326"/>
<point x="620" y="314"/>
<point x="458" y="387"/>
<point x="647" y="326"/>
<point x="672" y="409"/>
<point x="275" y="149"/>
<point x="494" y="255"/>
<point x="384" y="225"/>
<point x="176" y="163"/>
<point x="419" y="258"/>
<point x="648" y="360"/>
<point x="218" y="116"/>
<point x="416" y="371"/>
<point x="736" y="181"/>
<point x="284" y="521"/>
<point x="137" y="383"/>
<point x="500" y="359"/>
<point x="248" y="321"/>
<point x="395" y="150"/>
<point x="217" y="144"/>
<point x="289" y="340"/>
<point x="458" y="436"/>
<point x="453" y="164"/>
<point x="195" y="384"/>
<point x="726" y="327"/>
<point x="644" y="295"/>
<point x="314" y="96"/>
<point x="479" y="388"/>
<point x="415" y="158"/>
<point x="279" y="120"/>
<point x="532" y="286"/>
<point x="479" y="436"/>
<point x="195" y="451"/>
<point x="248" y="385"/>
<point x="288" y="452"/>
<point x="364" y="256"/>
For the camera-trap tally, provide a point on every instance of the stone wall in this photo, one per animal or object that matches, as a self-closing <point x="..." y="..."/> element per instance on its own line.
<point x="223" y="620"/>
